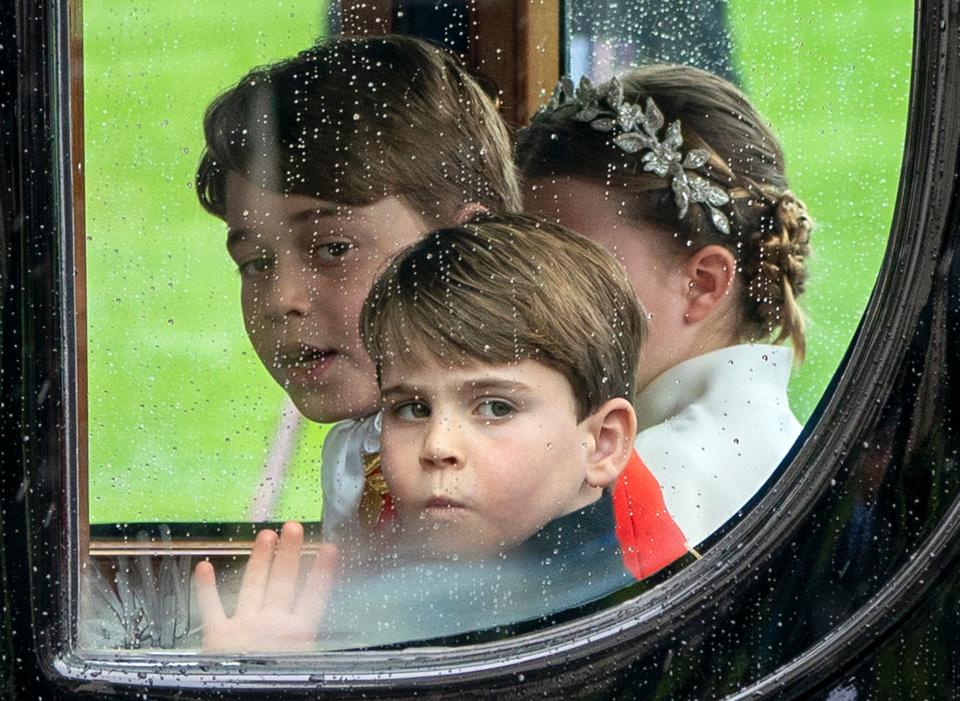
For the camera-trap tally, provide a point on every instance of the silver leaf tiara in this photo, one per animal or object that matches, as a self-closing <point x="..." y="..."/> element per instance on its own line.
<point x="603" y="107"/>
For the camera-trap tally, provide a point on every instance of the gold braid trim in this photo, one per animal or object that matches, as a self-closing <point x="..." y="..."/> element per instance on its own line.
<point x="374" y="490"/>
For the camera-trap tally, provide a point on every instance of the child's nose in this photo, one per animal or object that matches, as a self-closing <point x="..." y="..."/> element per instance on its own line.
<point x="291" y="293"/>
<point x="441" y="447"/>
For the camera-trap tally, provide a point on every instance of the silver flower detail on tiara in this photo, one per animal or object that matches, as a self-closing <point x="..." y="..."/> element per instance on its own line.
<point x="603" y="107"/>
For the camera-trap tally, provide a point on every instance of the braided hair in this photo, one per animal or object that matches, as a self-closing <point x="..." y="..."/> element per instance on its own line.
<point x="769" y="227"/>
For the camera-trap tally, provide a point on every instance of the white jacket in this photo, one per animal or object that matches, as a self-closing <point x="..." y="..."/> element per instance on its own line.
<point x="712" y="429"/>
<point x="342" y="473"/>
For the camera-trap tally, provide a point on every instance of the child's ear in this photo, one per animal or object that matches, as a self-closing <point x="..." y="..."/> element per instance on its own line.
<point x="612" y="427"/>
<point x="468" y="212"/>
<point x="710" y="273"/>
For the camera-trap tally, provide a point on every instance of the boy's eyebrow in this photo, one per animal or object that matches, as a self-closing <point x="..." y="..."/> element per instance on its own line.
<point x="235" y="236"/>
<point x="399" y="389"/>
<point x="316" y="212"/>
<point x="482" y="385"/>
<point x="240" y="234"/>
<point x="498" y="384"/>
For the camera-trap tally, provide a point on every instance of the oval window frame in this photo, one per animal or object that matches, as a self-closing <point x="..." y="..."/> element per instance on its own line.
<point x="629" y="632"/>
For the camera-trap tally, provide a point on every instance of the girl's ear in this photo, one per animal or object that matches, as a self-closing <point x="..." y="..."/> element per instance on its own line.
<point x="612" y="427"/>
<point x="710" y="273"/>
<point x="468" y="212"/>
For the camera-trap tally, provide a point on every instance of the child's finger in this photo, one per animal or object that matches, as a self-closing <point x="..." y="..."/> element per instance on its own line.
<point x="208" y="598"/>
<point x="319" y="582"/>
<point x="286" y="569"/>
<point x="257" y="572"/>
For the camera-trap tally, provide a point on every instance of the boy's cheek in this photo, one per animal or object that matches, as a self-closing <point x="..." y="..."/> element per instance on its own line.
<point x="388" y="462"/>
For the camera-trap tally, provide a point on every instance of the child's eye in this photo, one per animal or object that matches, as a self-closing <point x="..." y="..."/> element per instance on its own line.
<point x="494" y="409"/>
<point x="411" y="411"/>
<point x="332" y="251"/>
<point x="255" y="266"/>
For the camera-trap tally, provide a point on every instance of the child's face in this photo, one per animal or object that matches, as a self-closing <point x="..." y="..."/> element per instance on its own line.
<point x="306" y="266"/>
<point x="479" y="457"/>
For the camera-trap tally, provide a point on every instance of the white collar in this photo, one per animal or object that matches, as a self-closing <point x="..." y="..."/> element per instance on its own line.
<point x="763" y="368"/>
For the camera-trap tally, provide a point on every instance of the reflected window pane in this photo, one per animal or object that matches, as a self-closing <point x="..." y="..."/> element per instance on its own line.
<point x="184" y="420"/>
<point x="230" y="388"/>
<point x="604" y="38"/>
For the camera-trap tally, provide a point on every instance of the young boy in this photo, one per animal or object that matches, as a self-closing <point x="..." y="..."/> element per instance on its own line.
<point x="324" y="166"/>
<point x="506" y="353"/>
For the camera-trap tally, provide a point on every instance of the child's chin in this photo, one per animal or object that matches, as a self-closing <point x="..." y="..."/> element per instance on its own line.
<point x="456" y="548"/>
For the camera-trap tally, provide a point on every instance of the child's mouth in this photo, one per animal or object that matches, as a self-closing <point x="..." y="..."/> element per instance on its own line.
<point x="304" y="363"/>
<point x="443" y="507"/>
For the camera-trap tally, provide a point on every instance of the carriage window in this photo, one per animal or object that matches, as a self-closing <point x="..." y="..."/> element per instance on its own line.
<point x="306" y="295"/>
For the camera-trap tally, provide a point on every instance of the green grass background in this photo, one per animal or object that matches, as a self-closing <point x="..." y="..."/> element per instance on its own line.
<point x="833" y="78"/>
<point x="181" y="411"/>
<point x="180" y="408"/>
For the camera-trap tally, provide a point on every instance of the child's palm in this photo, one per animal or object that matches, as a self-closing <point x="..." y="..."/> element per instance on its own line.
<point x="271" y="614"/>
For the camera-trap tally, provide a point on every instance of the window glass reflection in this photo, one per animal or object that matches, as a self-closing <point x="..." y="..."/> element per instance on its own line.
<point x="183" y="417"/>
<point x="604" y="38"/>
<point x="454" y="498"/>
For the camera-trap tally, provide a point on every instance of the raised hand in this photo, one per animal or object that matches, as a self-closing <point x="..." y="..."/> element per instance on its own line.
<point x="273" y="614"/>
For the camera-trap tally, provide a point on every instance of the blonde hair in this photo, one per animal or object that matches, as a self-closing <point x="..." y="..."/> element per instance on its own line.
<point x="356" y="119"/>
<point x="507" y="288"/>
<point x="770" y="227"/>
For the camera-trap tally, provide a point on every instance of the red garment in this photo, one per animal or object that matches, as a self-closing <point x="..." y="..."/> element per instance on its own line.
<point x="388" y="513"/>
<point x="649" y="537"/>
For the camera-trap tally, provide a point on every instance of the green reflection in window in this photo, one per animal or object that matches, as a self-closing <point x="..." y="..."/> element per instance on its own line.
<point x="181" y="411"/>
<point x="834" y="80"/>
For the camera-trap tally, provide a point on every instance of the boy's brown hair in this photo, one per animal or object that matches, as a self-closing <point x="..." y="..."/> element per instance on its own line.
<point x="506" y="288"/>
<point x="354" y="120"/>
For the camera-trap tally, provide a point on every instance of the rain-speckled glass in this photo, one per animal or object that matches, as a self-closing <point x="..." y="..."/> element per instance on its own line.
<point x="505" y="459"/>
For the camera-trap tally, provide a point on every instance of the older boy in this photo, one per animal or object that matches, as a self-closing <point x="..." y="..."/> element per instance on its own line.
<point x="323" y="166"/>
<point x="506" y="353"/>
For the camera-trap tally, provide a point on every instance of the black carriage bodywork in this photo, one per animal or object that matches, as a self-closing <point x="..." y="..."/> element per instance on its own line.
<point x="842" y="582"/>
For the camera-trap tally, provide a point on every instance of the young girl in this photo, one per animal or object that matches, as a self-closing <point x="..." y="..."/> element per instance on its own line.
<point x="673" y="170"/>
